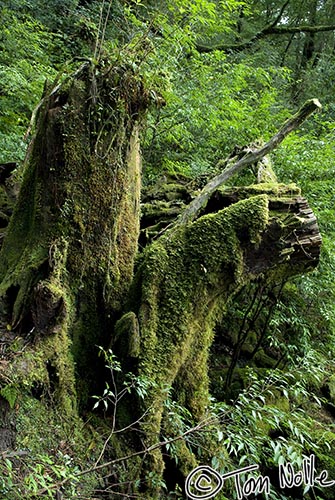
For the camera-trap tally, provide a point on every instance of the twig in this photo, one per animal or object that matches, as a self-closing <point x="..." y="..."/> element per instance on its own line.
<point x="98" y="32"/>
<point x="144" y="452"/>
<point x="268" y="382"/>
<point x="104" y="29"/>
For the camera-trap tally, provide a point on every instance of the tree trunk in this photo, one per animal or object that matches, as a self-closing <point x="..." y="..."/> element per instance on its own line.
<point x="186" y="279"/>
<point x="68" y="254"/>
<point x="308" y="50"/>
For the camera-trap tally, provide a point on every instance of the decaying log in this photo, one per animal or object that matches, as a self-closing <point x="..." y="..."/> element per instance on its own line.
<point x="292" y="235"/>
<point x="293" y="231"/>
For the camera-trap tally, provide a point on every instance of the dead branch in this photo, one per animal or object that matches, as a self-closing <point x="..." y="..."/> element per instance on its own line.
<point x="251" y="156"/>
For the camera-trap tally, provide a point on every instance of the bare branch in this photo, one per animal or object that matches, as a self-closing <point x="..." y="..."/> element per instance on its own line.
<point x="281" y="12"/>
<point x="251" y="156"/>
<point x="210" y="420"/>
<point x="204" y="423"/>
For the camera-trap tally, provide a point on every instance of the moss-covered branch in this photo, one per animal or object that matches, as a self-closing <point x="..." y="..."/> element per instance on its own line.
<point x="267" y="31"/>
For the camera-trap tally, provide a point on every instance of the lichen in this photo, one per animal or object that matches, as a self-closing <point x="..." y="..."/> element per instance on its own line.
<point x="272" y="189"/>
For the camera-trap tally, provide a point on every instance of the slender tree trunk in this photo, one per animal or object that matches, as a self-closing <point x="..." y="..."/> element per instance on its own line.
<point x="308" y="51"/>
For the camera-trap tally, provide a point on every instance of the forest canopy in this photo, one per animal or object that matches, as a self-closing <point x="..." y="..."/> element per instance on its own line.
<point x="138" y="343"/>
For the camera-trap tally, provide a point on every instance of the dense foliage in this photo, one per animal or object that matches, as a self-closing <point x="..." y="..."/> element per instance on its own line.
<point x="220" y="74"/>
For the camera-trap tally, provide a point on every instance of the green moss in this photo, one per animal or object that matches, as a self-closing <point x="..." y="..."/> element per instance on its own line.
<point x="185" y="280"/>
<point x="50" y="437"/>
<point x="67" y="259"/>
<point x="331" y="388"/>
<point x="159" y="209"/>
<point x="169" y="191"/>
<point x="271" y="189"/>
<point x="49" y="366"/>
<point x="74" y="231"/>
<point x="264" y="360"/>
<point x="127" y="336"/>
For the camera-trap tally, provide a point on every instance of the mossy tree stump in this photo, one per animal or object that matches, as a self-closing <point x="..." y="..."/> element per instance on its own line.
<point x="67" y="257"/>
<point x="67" y="261"/>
